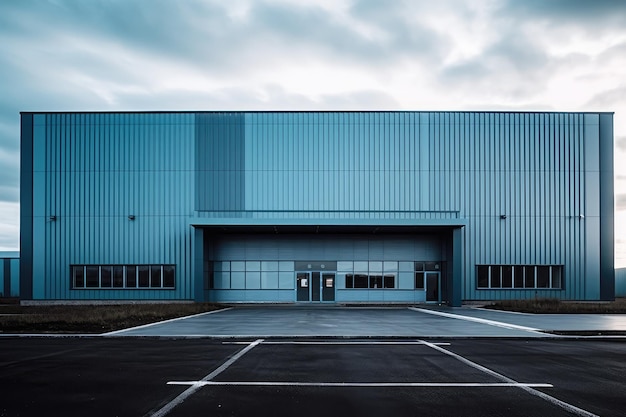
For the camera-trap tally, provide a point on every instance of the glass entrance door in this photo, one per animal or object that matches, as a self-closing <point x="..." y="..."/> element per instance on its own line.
<point x="315" y="286"/>
<point x="433" y="285"/>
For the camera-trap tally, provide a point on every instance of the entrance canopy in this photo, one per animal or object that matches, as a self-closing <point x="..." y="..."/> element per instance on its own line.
<point x="304" y="239"/>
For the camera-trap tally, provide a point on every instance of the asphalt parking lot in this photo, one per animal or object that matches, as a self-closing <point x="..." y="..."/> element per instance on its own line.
<point x="127" y="376"/>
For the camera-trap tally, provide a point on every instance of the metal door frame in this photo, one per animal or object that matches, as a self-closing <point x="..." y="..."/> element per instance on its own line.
<point x="426" y="274"/>
<point x="321" y="286"/>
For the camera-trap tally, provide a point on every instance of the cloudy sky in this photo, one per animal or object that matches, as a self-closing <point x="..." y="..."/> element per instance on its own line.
<point x="310" y="55"/>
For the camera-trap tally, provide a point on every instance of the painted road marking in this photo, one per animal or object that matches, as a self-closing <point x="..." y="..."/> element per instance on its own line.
<point x="194" y="387"/>
<point x="477" y="320"/>
<point x="363" y="384"/>
<point x="333" y="342"/>
<point x="143" y="326"/>
<point x="566" y="406"/>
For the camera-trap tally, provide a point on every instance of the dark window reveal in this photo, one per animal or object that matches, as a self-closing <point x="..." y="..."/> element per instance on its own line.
<point x="122" y="276"/>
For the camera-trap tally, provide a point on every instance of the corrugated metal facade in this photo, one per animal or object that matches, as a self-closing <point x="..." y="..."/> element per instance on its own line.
<point x="9" y="274"/>
<point x="620" y="282"/>
<point x="526" y="188"/>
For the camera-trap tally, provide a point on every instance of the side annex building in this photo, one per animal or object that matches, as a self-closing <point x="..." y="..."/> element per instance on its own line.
<point x="308" y="207"/>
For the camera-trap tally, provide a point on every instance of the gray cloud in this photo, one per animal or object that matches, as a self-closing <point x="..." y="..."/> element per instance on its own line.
<point x="272" y="97"/>
<point x="620" y="143"/>
<point x="608" y="100"/>
<point x="596" y="15"/>
<point x="9" y="194"/>
<point x="514" y="66"/>
<point x="620" y="201"/>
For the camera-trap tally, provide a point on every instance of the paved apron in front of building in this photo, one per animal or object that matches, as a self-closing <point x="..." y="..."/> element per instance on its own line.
<point x="297" y="321"/>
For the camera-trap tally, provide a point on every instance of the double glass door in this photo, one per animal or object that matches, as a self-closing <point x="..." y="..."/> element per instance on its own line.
<point x="315" y="286"/>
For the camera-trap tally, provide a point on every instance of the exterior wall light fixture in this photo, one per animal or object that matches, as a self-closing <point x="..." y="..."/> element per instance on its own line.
<point x="53" y="218"/>
<point x="503" y="216"/>
<point x="131" y="217"/>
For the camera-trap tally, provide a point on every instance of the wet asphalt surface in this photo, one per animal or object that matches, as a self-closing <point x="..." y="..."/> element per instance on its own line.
<point x="95" y="376"/>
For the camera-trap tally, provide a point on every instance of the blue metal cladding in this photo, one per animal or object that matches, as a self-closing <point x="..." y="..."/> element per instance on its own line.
<point x="91" y="172"/>
<point x="9" y="274"/>
<point x="529" y="188"/>
<point x="527" y="184"/>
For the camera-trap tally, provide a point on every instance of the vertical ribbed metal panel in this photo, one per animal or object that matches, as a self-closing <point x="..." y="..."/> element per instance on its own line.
<point x="529" y="167"/>
<point x="93" y="170"/>
<point x="99" y="169"/>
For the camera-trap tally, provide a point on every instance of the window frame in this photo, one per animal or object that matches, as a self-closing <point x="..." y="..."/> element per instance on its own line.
<point x="530" y="274"/>
<point x="78" y="271"/>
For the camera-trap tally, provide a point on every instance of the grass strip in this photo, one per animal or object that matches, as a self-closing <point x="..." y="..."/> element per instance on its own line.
<point x="554" y="306"/>
<point x="92" y="318"/>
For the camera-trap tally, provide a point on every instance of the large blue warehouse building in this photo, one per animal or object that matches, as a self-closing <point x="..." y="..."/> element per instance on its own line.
<point x="337" y="207"/>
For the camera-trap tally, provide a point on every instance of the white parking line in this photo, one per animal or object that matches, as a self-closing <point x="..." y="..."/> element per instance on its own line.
<point x="198" y="384"/>
<point x="143" y="326"/>
<point x="363" y="384"/>
<point x="337" y="342"/>
<point x="477" y="320"/>
<point x="566" y="406"/>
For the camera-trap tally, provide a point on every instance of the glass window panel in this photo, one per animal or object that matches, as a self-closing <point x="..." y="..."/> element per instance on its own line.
<point x="144" y="276"/>
<point x="169" y="276"/>
<point x="556" y="277"/>
<point x="496" y="277"/>
<point x="406" y="266"/>
<point x="482" y="276"/>
<point x="344" y="266"/>
<point x="286" y="266"/>
<point x="222" y="280"/>
<point x="106" y="278"/>
<point x="269" y="266"/>
<point x="360" y="280"/>
<point x="376" y="266"/>
<point x="221" y="266"/>
<point x="419" y="280"/>
<point x="131" y="276"/>
<point x="285" y="280"/>
<point x="269" y="280"/>
<point x="237" y="280"/>
<point x="253" y="265"/>
<point x="238" y="266"/>
<point x="419" y="266"/>
<point x="92" y="280"/>
<point x="543" y="276"/>
<point x="118" y="276"/>
<point x="406" y="280"/>
<point x="79" y="276"/>
<point x="253" y="280"/>
<point x="209" y="280"/>
<point x="390" y="266"/>
<point x="529" y="277"/>
<point x="155" y="276"/>
<point x="349" y="281"/>
<point x="507" y="276"/>
<point x="431" y="266"/>
<point x="390" y="281"/>
<point x="518" y="272"/>
<point x="360" y="266"/>
<point x="376" y="281"/>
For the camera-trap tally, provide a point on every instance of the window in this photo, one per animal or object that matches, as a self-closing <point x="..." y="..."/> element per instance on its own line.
<point x="482" y="276"/>
<point x="519" y="276"/>
<point x="122" y="276"/>
<point x="390" y="281"/>
<point x="376" y="281"/>
<point x="419" y="280"/>
<point x="370" y="281"/>
<point x="92" y="274"/>
<point x="360" y="281"/>
<point x="144" y="276"/>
